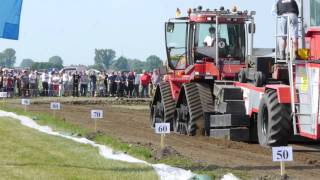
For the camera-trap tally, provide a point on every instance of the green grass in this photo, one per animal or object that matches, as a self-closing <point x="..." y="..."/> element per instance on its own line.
<point x="28" y="154"/>
<point x="134" y="150"/>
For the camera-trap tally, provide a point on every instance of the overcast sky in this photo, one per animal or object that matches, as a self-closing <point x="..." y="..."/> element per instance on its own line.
<point x="72" y="29"/>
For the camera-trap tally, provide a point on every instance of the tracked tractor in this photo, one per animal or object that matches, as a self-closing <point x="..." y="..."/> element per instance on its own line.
<point x="203" y="48"/>
<point x="222" y="87"/>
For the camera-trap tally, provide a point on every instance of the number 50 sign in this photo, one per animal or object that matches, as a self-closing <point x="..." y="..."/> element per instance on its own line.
<point x="281" y="154"/>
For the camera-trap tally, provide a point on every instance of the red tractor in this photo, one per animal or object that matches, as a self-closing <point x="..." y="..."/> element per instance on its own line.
<point x="274" y="101"/>
<point x="203" y="48"/>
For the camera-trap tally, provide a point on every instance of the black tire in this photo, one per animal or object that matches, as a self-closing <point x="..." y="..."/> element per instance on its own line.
<point x="274" y="121"/>
<point x="242" y="76"/>
<point x="258" y="79"/>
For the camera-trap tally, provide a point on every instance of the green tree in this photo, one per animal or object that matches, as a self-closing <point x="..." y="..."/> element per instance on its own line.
<point x="56" y="61"/>
<point x="153" y="62"/>
<point x="137" y="65"/>
<point x="26" y="63"/>
<point x="8" y="57"/>
<point x="45" y="65"/>
<point x="104" y="57"/>
<point x="121" y="64"/>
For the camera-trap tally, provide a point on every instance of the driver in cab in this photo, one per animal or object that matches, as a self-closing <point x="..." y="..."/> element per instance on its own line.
<point x="210" y="39"/>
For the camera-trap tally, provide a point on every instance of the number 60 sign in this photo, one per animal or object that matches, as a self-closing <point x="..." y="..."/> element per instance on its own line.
<point x="162" y="128"/>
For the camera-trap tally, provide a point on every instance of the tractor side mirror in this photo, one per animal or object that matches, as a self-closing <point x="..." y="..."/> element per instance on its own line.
<point x="170" y="27"/>
<point x="252" y="28"/>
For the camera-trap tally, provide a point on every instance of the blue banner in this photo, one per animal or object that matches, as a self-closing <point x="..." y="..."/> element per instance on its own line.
<point x="10" y="11"/>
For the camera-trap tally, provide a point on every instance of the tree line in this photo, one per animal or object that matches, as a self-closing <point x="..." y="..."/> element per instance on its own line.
<point x="104" y="59"/>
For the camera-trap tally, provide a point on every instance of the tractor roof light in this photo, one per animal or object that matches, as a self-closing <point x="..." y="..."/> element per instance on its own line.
<point x="199" y="8"/>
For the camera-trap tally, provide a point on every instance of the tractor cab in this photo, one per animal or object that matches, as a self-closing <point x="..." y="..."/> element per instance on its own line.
<point x="210" y="42"/>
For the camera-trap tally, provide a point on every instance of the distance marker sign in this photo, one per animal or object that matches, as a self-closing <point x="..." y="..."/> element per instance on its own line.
<point x="282" y="154"/>
<point x="55" y="106"/>
<point x="96" y="114"/>
<point x="3" y="94"/>
<point x="25" y="102"/>
<point x="162" y="128"/>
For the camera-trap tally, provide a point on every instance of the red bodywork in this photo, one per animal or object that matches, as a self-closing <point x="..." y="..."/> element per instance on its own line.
<point x="313" y="37"/>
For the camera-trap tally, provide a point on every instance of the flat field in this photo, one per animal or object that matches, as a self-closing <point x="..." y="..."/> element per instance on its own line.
<point x="28" y="154"/>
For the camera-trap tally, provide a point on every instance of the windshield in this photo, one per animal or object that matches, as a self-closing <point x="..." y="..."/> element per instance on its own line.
<point x="231" y="40"/>
<point x="176" y="45"/>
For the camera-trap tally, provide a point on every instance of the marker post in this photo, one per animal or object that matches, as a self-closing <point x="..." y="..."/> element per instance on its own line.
<point x="95" y="115"/>
<point x="162" y="129"/>
<point x="3" y="95"/>
<point x="25" y="102"/>
<point x="282" y="154"/>
<point x="54" y="106"/>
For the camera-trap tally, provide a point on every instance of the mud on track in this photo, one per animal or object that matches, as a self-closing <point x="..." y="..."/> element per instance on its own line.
<point x="130" y="123"/>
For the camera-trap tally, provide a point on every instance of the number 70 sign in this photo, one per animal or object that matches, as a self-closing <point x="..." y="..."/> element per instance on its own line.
<point x="96" y="114"/>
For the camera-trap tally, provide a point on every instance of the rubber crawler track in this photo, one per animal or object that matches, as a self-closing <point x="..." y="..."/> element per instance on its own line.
<point x="200" y="100"/>
<point x="163" y="94"/>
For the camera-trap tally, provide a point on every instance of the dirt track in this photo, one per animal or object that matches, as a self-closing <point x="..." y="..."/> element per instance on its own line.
<point x="131" y="124"/>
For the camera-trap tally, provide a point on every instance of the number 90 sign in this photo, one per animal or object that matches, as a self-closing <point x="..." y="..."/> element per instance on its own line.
<point x="280" y="154"/>
<point x="162" y="128"/>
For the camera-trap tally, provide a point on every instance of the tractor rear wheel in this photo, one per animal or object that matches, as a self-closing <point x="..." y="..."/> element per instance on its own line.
<point x="274" y="121"/>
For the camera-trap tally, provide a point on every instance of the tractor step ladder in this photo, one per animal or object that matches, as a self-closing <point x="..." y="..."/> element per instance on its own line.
<point x="296" y="97"/>
<point x="289" y="59"/>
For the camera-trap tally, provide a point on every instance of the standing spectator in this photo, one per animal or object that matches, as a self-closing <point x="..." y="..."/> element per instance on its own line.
<point x="10" y="84"/>
<point x="124" y="86"/>
<point x="24" y="84"/>
<point x="84" y="84"/>
<point x="1" y="80"/>
<point x="75" y="86"/>
<point x="119" y="82"/>
<point x="145" y="81"/>
<point x="93" y="83"/>
<point x="155" y="80"/>
<point x="130" y="80"/>
<point x="45" y="83"/>
<point x="136" y="84"/>
<point x="101" y="84"/>
<point x="33" y="83"/>
<point x="112" y="84"/>
<point x="50" y="83"/>
<point x="105" y="75"/>
<point x="18" y="82"/>
<point x="65" y="84"/>
<point x="55" y="83"/>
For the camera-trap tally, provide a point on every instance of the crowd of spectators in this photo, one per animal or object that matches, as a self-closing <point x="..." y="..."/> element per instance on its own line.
<point x="24" y="83"/>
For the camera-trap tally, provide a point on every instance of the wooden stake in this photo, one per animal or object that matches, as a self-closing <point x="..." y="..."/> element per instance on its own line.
<point x="25" y="108"/>
<point x="282" y="169"/>
<point x="162" y="141"/>
<point x="54" y="113"/>
<point x="95" y="125"/>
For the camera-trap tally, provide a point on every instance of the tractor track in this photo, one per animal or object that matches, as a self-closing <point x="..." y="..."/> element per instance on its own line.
<point x="132" y="125"/>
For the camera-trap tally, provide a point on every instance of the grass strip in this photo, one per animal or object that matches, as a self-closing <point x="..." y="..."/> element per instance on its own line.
<point x="116" y="144"/>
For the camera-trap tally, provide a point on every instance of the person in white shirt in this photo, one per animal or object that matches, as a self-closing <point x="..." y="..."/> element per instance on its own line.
<point x="65" y="83"/>
<point x="55" y="83"/>
<point x="210" y="39"/>
<point x="33" y="84"/>
<point x="45" y="85"/>
<point x="136" y="84"/>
